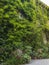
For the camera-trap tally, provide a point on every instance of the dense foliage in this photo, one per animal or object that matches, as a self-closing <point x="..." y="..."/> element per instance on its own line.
<point x="22" y="23"/>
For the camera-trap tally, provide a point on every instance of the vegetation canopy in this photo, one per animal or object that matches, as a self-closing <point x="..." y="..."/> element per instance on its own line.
<point x="23" y="31"/>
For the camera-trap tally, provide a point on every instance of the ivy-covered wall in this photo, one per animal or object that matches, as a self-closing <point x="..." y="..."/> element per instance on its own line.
<point x="22" y="23"/>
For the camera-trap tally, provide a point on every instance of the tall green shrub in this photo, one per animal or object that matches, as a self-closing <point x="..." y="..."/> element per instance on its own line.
<point x="21" y="25"/>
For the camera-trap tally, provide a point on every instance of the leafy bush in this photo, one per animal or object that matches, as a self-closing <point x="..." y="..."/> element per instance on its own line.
<point x="21" y="26"/>
<point x="26" y="58"/>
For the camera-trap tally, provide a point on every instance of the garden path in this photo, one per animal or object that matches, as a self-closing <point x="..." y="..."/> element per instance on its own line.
<point x="39" y="62"/>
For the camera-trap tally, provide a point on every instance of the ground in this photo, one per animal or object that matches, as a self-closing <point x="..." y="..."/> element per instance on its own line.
<point x="39" y="62"/>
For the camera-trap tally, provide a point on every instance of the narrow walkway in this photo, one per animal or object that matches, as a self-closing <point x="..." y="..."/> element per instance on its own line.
<point x="39" y="62"/>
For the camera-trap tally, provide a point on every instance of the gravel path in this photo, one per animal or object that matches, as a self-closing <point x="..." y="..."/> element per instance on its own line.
<point x="39" y="62"/>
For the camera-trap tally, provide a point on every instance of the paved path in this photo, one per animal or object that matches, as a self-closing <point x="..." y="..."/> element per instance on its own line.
<point x="39" y="62"/>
